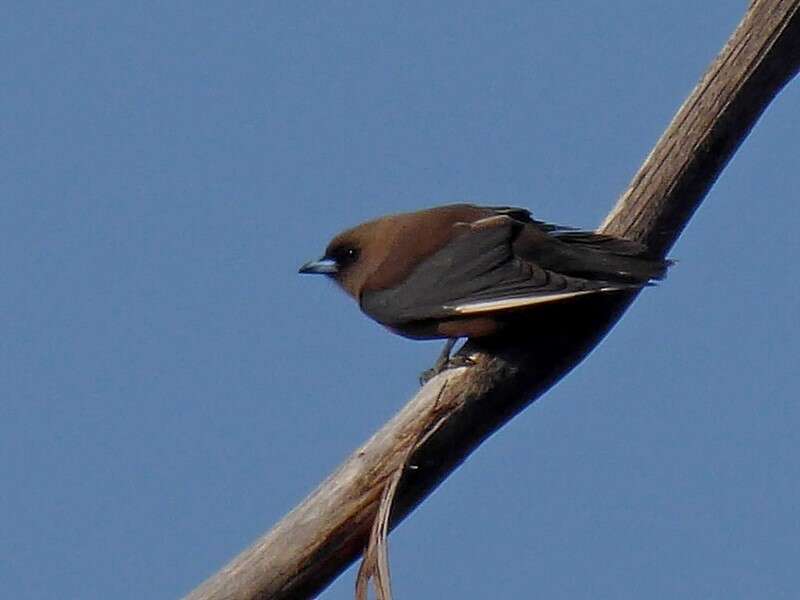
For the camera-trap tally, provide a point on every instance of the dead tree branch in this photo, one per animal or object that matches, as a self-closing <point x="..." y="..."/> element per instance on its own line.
<point x="329" y="529"/>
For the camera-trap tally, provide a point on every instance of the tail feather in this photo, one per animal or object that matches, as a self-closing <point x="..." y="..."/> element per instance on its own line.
<point x="596" y="255"/>
<point x="586" y="254"/>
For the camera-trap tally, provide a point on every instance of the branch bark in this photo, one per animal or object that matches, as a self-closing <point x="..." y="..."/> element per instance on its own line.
<point x="317" y="540"/>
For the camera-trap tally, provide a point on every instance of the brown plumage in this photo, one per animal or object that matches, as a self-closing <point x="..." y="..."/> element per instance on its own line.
<point x="464" y="270"/>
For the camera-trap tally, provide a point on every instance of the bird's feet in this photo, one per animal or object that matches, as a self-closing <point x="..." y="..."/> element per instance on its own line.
<point x="445" y="362"/>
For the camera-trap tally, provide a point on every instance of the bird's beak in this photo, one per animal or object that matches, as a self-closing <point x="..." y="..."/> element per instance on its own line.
<point x="323" y="266"/>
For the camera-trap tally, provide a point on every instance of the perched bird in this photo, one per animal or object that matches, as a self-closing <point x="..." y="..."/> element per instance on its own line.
<point x="465" y="271"/>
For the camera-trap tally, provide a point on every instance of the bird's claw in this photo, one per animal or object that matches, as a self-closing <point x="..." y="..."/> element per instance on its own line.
<point x="445" y="362"/>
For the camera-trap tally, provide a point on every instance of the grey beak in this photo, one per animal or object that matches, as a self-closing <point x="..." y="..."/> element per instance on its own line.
<point x="323" y="266"/>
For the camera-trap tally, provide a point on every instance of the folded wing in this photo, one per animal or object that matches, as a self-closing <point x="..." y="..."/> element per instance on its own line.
<point x="477" y="272"/>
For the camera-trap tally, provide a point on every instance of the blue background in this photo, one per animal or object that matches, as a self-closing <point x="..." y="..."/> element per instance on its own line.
<point x="170" y="387"/>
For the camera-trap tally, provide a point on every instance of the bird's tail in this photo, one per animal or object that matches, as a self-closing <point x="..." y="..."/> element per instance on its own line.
<point x="599" y="256"/>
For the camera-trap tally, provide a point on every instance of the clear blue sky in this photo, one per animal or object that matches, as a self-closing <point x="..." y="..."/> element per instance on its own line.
<point x="170" y="387"/>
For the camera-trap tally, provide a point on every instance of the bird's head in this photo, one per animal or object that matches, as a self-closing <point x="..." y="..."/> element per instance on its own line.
<point x="380" y="254"/>
<point x="354" y="255"/>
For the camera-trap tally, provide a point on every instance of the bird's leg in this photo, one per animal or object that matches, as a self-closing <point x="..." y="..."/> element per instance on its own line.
<point x="444" y="362"/>
<point x="444" y="355"/>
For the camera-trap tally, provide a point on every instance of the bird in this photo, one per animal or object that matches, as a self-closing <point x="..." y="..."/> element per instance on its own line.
<point x="466" y="271"/>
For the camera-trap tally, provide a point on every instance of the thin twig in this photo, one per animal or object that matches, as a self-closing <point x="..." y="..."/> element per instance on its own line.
<point x="375" y="564"/>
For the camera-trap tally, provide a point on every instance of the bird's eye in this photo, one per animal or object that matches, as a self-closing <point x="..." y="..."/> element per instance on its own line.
<point x="345" y="255"/>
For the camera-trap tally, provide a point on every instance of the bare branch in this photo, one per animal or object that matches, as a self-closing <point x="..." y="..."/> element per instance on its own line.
<point x="328" y="530"/>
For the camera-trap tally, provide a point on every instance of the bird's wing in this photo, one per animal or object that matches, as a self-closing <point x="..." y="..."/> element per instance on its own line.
<point x="476" y="272"/>
<point x="523" y="215"/>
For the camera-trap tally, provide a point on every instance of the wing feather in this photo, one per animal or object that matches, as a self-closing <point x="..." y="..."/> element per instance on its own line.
<point x="476" y="272"/>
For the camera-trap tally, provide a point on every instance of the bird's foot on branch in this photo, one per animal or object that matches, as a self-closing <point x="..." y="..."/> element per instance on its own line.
<point x="445" y="362"/>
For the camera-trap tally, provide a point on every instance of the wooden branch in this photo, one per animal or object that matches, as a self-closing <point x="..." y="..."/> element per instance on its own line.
<point x="328" y="530"/>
